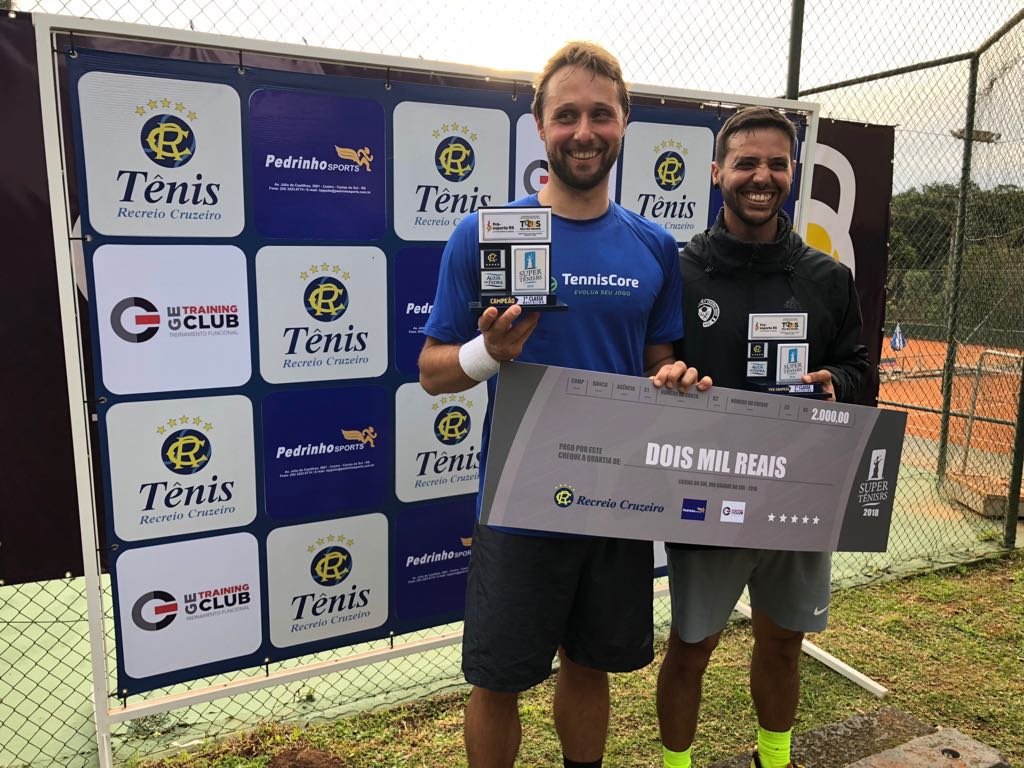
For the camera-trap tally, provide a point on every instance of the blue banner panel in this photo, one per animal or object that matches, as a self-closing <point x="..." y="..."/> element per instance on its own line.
<point x="432" y="556"/>
<point x="326" y="452"/>
<point x="317" y="163"/>
<point x="415" y="283"/>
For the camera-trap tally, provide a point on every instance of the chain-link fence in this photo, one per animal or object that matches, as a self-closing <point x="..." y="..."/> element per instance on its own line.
<point x="954" y="287"/>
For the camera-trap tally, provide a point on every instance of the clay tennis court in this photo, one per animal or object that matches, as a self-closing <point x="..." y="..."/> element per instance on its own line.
<point x="913" y="376"/>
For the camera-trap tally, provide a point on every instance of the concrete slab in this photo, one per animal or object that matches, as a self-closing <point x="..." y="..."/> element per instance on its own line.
<point x="840" y="744"/>
<point x="947" y="748"/>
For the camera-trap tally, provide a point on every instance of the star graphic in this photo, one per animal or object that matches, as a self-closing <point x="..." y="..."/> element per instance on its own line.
<point x="437" y="134"/>
<point x="455" y="127"/>
<point x="311" y="549"/>
<point x="330" y="537"/>
<point x="816" y="519"/>
<point x="179" y="107"/>
<point x="473" y="137"/>
<point x="140" y="110"/>
<point x="207" y="427"/>
<point x="325" y="266"/>
<point x="771" y="517"/>
<point x="465" y="130"/>
<point x="160" y="430"/>
<point x="469" y="403"/>
<point x="184" y="419"/>
<point x="793" y="519"/>
<point x="345" y="276"/>
<point x="462" y="398"/>
<point x="197" y="421"/>
<point x="320" y="542"/>
<point x="444" y="128"/>
<point x="434" y="406"/>
<point x="655" y="147"/>
<point x="350" y="542"/>
<point x="303" y="275"/>
<point x="192" y="115"/>
<point x="805" y="520"/>
<point x="336" y="269"/>
<point x="151" y="103"/>
<point x="165" y="103"/>
<point x="314" y="268"/>
<point x="172" y="422"/>
<point x="782" y="518"/>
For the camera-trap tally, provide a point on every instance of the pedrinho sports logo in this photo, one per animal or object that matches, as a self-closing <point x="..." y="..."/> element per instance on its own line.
<point x="135" y="319"/>
<point x="154" y="610"/>
<point x="669" y="170"/>
<point x="452" y="425"/>
<point x="454" y="157"/>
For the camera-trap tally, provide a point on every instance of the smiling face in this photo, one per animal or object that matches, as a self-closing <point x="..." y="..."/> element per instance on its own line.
<point x="755" y="177"/>
<point x="581" y="125"/>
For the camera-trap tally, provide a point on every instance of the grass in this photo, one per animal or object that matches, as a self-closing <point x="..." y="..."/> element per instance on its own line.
<point x="949" y="646"/>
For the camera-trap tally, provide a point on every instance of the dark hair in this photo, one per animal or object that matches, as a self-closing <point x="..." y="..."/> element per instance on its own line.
<point x="748" y="119"/>
<point x="585" y="55"/>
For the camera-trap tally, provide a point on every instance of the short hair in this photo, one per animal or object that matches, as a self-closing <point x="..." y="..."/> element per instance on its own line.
<point x="585" y="55"/>
<point x="748" y="119"/>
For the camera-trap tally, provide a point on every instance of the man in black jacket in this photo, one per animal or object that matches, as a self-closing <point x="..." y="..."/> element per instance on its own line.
<point x="749" y="264"/>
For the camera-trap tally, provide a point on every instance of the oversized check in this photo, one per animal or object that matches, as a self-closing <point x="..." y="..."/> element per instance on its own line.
<point x="602" y="454"/>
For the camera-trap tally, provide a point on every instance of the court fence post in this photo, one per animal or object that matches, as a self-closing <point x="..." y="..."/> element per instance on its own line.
<point x="1013" y="492"/>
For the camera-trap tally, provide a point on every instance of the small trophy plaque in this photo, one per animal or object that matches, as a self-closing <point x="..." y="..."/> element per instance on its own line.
<point x="515" y="259"/>
<point x="777" y="354"/>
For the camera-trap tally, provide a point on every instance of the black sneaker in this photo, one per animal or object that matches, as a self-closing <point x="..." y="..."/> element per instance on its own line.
<point x="755" y="762"/>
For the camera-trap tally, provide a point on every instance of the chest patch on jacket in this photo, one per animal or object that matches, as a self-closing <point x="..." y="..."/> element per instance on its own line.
<point x="707" y="312"/>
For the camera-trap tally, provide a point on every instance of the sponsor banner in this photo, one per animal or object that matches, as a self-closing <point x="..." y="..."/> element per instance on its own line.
<point x="327" y="579"/>
<point x="432" y="548"/>
<point x="172" y="317"/>
<point x="415" y="285"/>
<point x="323" y="313"/>
<point x="666" y="175"/>
<point x="181" y="466"/>
<point x="189" y="603"/>
<point x="531" y="161"/>
<point x="325" y="451"/>
<point x="723" y="467"/>
<point x="317" y="163"/>
<point x="449" y="161"/>
<point x="163" y="158"/>
<point x="848" y="217"/>
<point x="439" y="453"/>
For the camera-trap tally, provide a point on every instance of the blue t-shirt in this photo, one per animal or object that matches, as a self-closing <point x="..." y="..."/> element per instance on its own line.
<point x="619" y="275"/>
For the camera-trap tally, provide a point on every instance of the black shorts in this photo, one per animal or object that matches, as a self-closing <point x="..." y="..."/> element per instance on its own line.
<point x="527" y="595"/>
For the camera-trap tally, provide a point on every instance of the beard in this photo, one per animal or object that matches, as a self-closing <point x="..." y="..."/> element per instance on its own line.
<point x="734" y="202"/>
<point x="559" y="164"/>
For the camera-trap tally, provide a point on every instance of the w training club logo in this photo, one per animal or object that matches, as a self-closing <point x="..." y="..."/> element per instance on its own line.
<point x="154" y="610"/>
<point x="135" y="319"/>
<point x="166" y="138"/>
<point x="325" y="298"/>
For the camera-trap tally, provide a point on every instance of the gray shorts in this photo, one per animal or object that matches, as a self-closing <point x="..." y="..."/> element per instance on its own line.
<point x="792" y="588"/>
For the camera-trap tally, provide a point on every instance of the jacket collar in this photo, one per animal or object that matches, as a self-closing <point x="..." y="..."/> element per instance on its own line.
<point x="728" y="255"/>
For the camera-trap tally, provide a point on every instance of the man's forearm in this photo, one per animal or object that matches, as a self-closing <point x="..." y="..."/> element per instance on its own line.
<point x="440" y="371"/>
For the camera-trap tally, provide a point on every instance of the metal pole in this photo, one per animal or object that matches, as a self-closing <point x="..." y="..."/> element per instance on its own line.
<point x="956" y="270"/>
<point x="1013" y="492"/>
<point x="796" y="35"/>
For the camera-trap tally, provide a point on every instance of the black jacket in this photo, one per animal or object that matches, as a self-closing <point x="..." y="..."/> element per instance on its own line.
<point x="725" y="280"/>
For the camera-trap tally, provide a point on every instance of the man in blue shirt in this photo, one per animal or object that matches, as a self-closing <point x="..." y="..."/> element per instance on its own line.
<point x="530" y="596"/>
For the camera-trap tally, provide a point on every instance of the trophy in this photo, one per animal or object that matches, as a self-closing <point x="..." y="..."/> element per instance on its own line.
<point x="777" y="354"/>
<point x="515" y="259"/>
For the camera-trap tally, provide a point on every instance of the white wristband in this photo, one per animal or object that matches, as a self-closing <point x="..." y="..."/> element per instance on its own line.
<point x="476" y="361"/>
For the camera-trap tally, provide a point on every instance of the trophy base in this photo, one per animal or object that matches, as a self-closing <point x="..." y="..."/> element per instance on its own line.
<point x="796" y="388"/>
<point x="528" y="303"/>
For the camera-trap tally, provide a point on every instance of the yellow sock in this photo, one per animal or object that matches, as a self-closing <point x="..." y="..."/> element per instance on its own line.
<point x="774" y="748"/>
<point x="676" y="759"/>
